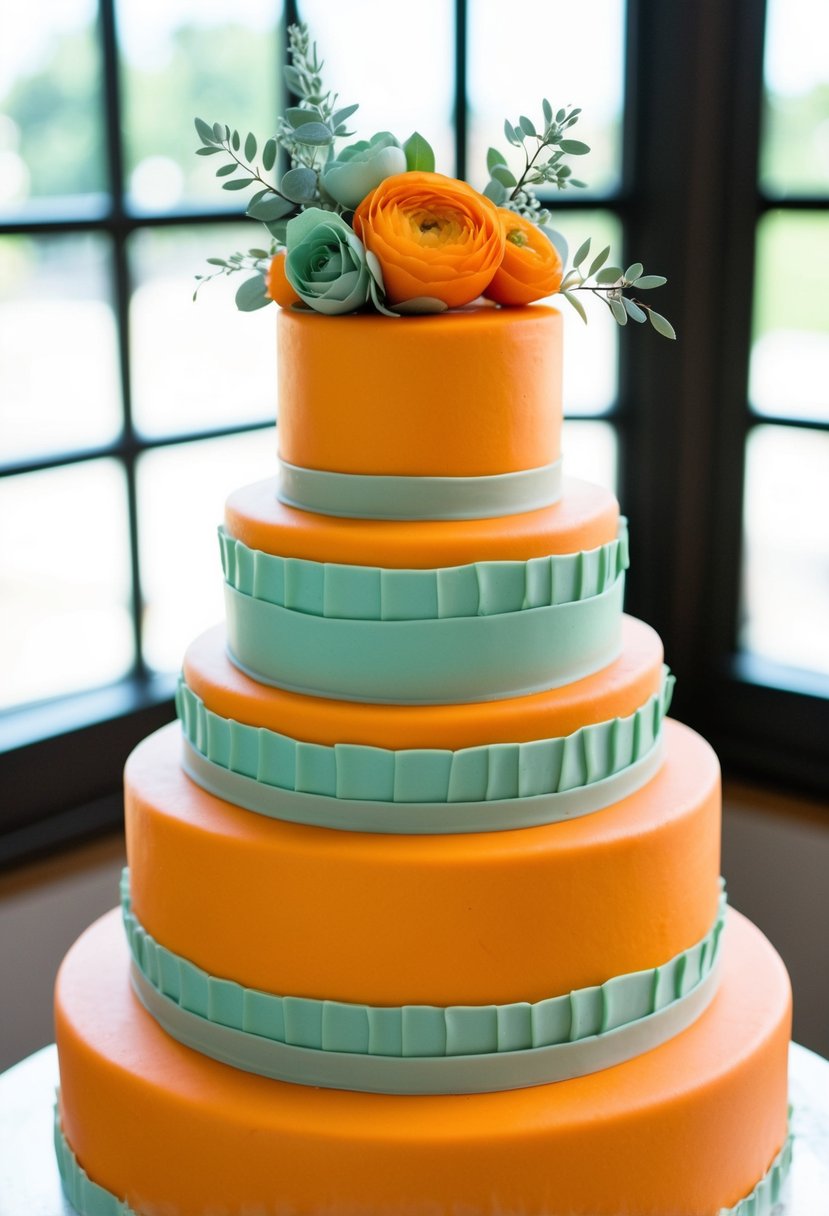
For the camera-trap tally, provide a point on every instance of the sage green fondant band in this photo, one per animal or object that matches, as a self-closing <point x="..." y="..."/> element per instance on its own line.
<point x="262" y="1032"/>
<point x="466" y="1074"/>
<point x="368" y="496"/>
<point x="373" y="593"/>
<point x="89" y="1199"/>
<point x="433" y="662"/>
<point x="418" y="818"/>
<point x="485" y="773"/>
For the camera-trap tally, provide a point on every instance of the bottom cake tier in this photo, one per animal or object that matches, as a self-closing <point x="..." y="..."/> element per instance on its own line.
<point x="688" y="1129"/>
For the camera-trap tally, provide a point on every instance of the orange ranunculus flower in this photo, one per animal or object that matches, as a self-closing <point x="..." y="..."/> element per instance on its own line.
<point x="278" y="288"/>
<point x="433" y="236"/>
<point x="531" y="267"/>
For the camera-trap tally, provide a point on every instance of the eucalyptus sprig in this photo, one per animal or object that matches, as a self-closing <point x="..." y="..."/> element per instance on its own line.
<point x="251" y="294"/>
<point x="610" y="284"/>
<point x="544" y="150"/>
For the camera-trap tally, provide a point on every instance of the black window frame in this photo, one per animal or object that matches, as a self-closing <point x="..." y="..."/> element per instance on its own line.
<point x="687" y="203"/>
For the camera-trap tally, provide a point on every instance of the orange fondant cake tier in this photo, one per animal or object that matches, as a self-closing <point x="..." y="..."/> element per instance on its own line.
<point x="585" y="518"/>
<point x="614" y="692"/>
<point x="475" y="919"/>
<point x="685" y="1129"/>
<point x="473" y="392"/>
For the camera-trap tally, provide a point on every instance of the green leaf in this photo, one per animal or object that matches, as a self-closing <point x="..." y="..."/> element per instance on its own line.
<point x="278" y="230"/>
<point x="216" y="262"/>
<point x="250" y="146"/>
<point x="575" y="182"/>
<point x="226" y="170"/>
<point x="548" y="111"/>
<point x="293" y="79"/>
<point x="574" y="147"/>
<point x="340" y="116"/>
<point x="527" y="125"/>
<point x="238" y="184"/>
<point x="495" y="192"/>
<point x="512" y="135"/>
<point x="298" y="116"/>
<point x="581" y="253"/>
<point x="299" y="185"/>
<point x="646" y="281"/>
<point x="618" y="310"/>
<point x="576" y="303"/>
<point x="316" y="133"/>
<point x="599" y="260"/>
<point x="269" y="155"/>
<point x="235" y="141"/>
<point x="493" y="158"/>
<point x="558" y="240"/>
<point x="608" y="275"/>
<point x="504" y="175"/>
<point x="561" y="115"/>
<point x="211" y="151"/>
<point x="204" y="131"/>
<point x="661" y="324"/>
<point x="258" y="253"/>
<point x="274" y="207"/>
<point x="251" y="294"/>
<point x="633" y="271"/>
<point x="220" y="132"/>
<point x="419" y="154"/>
<point x="633" y="310"/>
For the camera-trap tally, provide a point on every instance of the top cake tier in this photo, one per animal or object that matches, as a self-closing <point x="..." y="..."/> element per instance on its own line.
<point x="473" y="393"/>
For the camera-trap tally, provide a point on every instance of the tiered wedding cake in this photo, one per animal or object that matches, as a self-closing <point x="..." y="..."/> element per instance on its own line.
<point x="424" y="916"/>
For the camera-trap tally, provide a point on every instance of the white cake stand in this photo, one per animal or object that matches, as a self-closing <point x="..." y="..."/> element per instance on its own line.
<point x="30" y="1186"/>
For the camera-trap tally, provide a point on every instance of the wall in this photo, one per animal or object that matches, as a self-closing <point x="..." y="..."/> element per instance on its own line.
<point x="775" y="859"/>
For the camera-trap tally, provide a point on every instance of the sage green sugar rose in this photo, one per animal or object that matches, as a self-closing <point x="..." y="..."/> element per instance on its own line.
<point x="327" y="265"/>
<point x="360" y="167"/>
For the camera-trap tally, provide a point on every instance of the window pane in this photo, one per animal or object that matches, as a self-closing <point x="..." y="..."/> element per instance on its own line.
<point x="59" y="387"/>
<point x="218" y="61"/>
<point x="795" y="146"/>
<point x="51" y="132"/>
<point x="591" y="352"/>
<point x="399" y="69"/>
<point x="786" y="564"/>
<point x="573" y="54"/>
<point x="590" y="450"/>
<point x="65" y="621"/>
<point x="203" y="364"/>
<point x="790" y="353"/>
<point x="181" y="495"/>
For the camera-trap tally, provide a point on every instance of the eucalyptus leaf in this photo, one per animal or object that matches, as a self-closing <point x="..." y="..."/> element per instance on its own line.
<point x="293" y="79"/>
<point x="220" y="132"/>
<point x="340" y="116"/>
<point x="661" y="324"/>
<point x="576" y="303"/>
<point x="269" y="209"/>
<point x="561" y="115"/>
<point x="608" y="275"/>
<point x="511" y="134"/>
<point x="582" y="252"/>
<point x="574" y="147"/>
<point x="258" y="253"/>
<point x="204" y="131"/>
<point x="633" y="271"/>
<point x="251" y="294"/>
<point x="618" y="310"/>
<point x="298" y="116"/>
<point x="216" y="262"/>
<point x="495" y="191"/>
<point x="493" y="158"/>
<point x="208" y="151"/>
<point x="226" y="170"/>
<point x="647" y="281"/>
<point x="547" y="110"/>
<point x="316" y="133"/>
<point x="260" y="194"/>
<point x="575" y="182"/>
<point x="420" y="306"/>
<point x="504" y="175"/>
<point x="250" y="146"/>
<point x="278" y="230"/>
<point x="235" y="141"/>
<point x="299" y="185"/>
<point x="633" y="310"/>
<point x="419" y="154"/>
<point x="599" y="261"/>
<point x="269" y="155"/>
<point x="527" y="125"/>
<point x="238" y="183"/>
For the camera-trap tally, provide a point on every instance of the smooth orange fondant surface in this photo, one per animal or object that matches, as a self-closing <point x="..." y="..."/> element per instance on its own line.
<point x="683" y="1130"/>
<point x="585" y="517"/>
<point x="614" y="692"/>
<point x="473" y="392"/>
<point x="384" y="919"/>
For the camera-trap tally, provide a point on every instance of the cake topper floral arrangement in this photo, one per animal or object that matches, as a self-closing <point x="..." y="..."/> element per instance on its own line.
<point x="372" y="225"/>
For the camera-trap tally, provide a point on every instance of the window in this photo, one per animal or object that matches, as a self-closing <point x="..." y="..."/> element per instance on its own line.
<point x="128" y="413"/>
